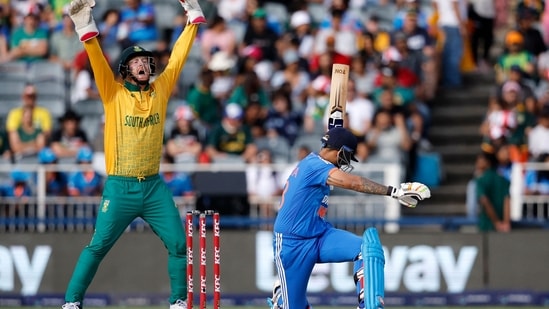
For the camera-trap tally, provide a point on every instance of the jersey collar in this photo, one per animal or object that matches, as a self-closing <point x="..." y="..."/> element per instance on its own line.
<point x="132" y="87"/>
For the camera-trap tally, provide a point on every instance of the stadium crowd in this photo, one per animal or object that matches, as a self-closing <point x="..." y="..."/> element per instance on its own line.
<point x="258" y="84"/>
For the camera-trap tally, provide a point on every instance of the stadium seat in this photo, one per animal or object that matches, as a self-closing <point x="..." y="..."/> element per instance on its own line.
<point x="7" y="105"/>
<point x="165" y="14"/>
<point x="278" y="146"/>
<point x="91" y="125"/>
<point x="312" y="141"/>
<point x="14" y="70"/>
<point x="190" y="74"/>
<point x="12" y="89"/>
<point x="89" y="107"/>
<point x="41" y="71"/>
<point x="55" y="106"/>
<point x="51" y="89"/>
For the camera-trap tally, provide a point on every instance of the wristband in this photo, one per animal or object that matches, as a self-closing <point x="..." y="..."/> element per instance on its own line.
<point x="389" y="190"/>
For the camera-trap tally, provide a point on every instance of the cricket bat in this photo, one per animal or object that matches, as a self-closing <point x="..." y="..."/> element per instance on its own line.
<point x="338" y="95"/>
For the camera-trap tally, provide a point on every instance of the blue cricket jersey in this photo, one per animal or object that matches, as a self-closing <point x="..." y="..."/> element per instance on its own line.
<point x="305" y="199"/>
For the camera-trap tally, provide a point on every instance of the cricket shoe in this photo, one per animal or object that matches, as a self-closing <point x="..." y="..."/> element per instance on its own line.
<point x="276" y="301"/>
<point x="179" y="304"/>
<point x="194" y="12"/>
<point x="75" y="305"/>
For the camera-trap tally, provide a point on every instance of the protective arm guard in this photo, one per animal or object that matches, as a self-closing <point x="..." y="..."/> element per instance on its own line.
<point x="374" y="263"/>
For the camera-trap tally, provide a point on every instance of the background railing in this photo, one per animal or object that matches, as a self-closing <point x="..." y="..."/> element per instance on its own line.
<point x="350" y="210"/>
<point x="531" y="209"/>
<point x="43" y="213"/>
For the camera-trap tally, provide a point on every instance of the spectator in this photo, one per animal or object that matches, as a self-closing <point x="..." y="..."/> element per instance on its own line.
<point x="56" y="181"/>
<point x="183" y="144"/>
<point x="329" y="56"/>
<point x="85" y="181"/>
<point x="504" y="165"/>
<point x="179" y="23"/>
<point x="222" y="65"/>
<point x="337" y="38"/>
<point x="389" y="140"/>
<point x="28" y="42"/>
<point x="259" y="34"/>
<point x="401" y="95"/>
<point x="452" y="20"/>
<point x="410" y="6"/>
<point x="5" y="151"/>
<point x="205" y="105"/>
<point x="233" y="11"/>
<point x="231" y="140"/>
<point x="526" y="93"/>
<point x="537" y="182"/>
<point x="364" y="76"/>
<point x="404" y="77"/>
<point x="417" y="37"/>
<point x="64" y="44"/>
<point x="108" y="30"/>
<point x="492" y="191"/>
<point x="83" y="85"/>
<point x="248" y="62"/>
<point x="20" y="190"/>
<point x="542" y="71"/>
<point x="526" y="25"/>
<point x="27" y="140"/>
<point x="501" y="118"/>
<point x="251" y="91"/>
<point x="137" y="24"/>
<point x="21" y="8"/>
<point x="179" y="183"/>
<point x="293" y="77"/>
<point x="254" y="119"/>
<point x="409" y="59"/>
<point x="420" y="42"/>
<point x="482" y="13"/>
<point x="538" y="137"/>
<point x="5" y="29"/>
<point x="217" y="37"/>
<point x="41" y="117"/>
<point x="281" y="120"/>
<point x="67" y="140"/>
<point x="380" y="38"/>
<point x="348" y="20"/>
<point x="263" y="183"/>
<point x="360" y="114"/>
<point x="526" y="120"/>
<point x="368" y="52"/>
<point x="317" y="101"/>
<point x="514" y="54"/>
<point x="301" y="31"/>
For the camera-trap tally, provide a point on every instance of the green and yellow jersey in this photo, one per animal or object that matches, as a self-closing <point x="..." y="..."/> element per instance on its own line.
<point x="134" y="118"/>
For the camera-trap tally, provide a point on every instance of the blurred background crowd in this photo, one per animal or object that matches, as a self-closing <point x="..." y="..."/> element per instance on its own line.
<point x="257" y="82"/>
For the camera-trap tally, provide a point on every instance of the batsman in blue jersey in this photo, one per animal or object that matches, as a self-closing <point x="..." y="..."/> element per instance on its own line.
<point x="303" y="237"/>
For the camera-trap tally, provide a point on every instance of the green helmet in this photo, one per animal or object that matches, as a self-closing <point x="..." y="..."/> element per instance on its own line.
<point x="130" y="53"/>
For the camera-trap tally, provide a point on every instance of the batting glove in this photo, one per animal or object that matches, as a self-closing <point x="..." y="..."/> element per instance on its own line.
<point x="410" y="193"/>
<point x="194" y="12"/>
<point x="80" y="13"/>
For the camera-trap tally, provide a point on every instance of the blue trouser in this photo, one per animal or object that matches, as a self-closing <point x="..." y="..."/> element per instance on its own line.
<point x="295" y="259"/>
<point x="451" y="56"/>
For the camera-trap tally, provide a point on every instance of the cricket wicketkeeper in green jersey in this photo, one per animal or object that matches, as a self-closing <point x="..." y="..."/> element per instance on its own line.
<point x="135" y="113"/>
